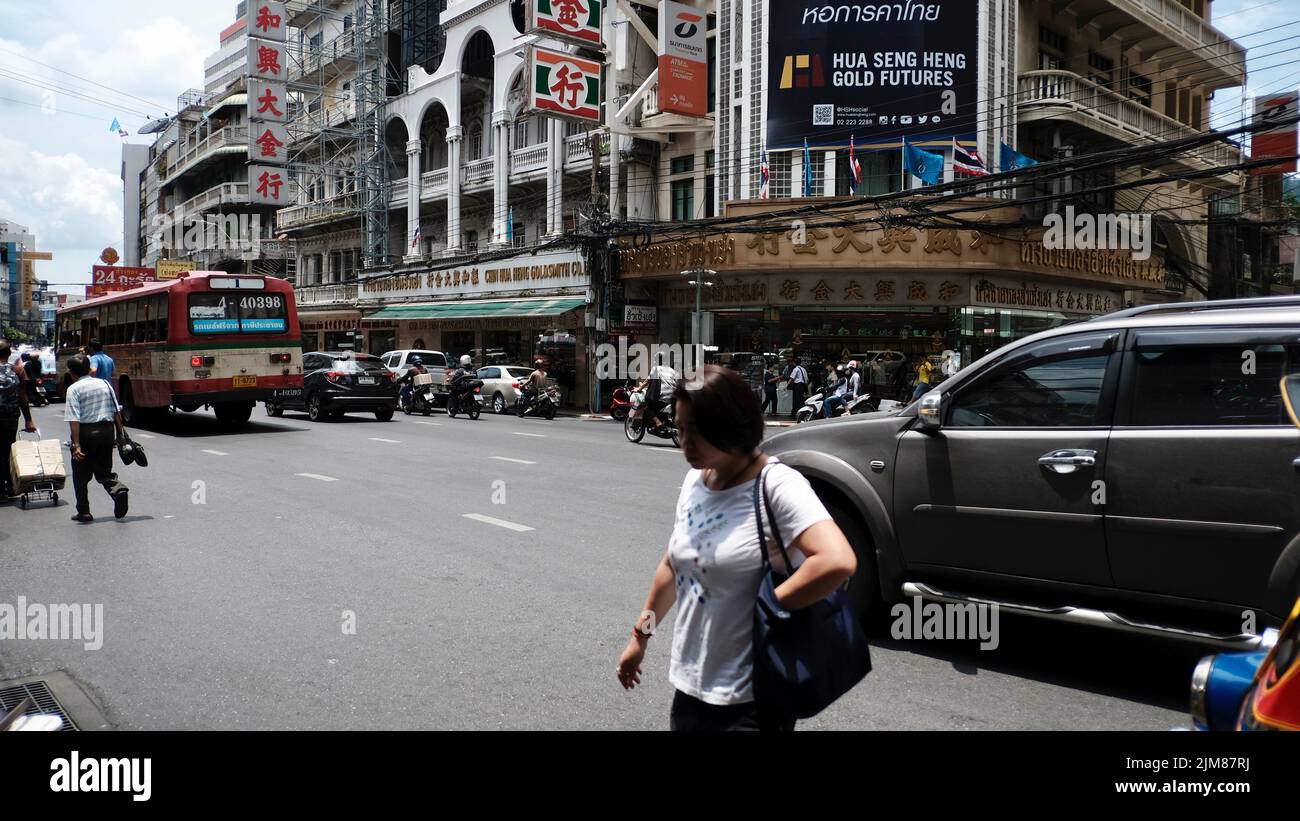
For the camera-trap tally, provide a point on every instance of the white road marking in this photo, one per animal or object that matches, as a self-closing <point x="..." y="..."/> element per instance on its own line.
<point x="422" y="422"/>
<point x="317" y="477"/>
<point x="508" y="459"/>
<point x="538" y="435"/>
<point x="478" y="517"/>
<point x="145" y="436"/>
<point x="217" y="452"/>
<point x="664" y="450"/>
<point x="389" y="441"/>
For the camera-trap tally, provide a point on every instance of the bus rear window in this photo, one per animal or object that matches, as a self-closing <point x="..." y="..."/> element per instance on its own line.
<point x="218" y="313"/>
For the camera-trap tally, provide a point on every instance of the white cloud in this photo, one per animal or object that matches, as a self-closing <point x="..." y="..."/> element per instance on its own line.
<point x="68" y="203"/>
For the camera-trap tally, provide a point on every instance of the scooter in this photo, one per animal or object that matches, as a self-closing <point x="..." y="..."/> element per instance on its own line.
<point x="621" y="402"/>
<point x="813" y="407"/>
<point x="545" y="404"/>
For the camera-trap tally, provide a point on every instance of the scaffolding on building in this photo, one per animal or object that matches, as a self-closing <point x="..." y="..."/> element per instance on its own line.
<point x="338" y="158"/>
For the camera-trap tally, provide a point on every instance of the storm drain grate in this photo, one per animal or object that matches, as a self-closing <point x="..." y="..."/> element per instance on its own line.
<point x="44" y="702"/>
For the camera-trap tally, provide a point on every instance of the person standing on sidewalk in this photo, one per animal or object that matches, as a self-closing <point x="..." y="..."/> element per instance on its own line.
<point x="798" y="385"/>
<point x="93" y="415"/>
<point x="101" y="364"/>
<point x="712" y="568"/>
<point x="13" y="402"/>
<point x="770" y="378"/>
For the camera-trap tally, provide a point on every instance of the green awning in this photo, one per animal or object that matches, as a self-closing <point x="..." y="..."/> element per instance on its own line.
<point x="481" y="310"/>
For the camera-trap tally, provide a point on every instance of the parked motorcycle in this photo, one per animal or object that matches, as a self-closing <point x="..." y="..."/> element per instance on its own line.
<point x="621" y="402"/>
<point x="544" y="404"/>
<point x="635" y="429"/>
<point x="466" y="397"/>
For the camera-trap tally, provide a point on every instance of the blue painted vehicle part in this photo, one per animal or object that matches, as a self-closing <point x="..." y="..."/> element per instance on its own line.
<point x="1219" y="685"/>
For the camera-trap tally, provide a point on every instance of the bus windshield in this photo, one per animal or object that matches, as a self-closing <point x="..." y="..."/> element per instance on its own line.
<point x="221" y="313"/>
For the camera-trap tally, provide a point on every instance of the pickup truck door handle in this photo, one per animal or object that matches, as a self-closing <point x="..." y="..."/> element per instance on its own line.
<point x="1068" y="460"/>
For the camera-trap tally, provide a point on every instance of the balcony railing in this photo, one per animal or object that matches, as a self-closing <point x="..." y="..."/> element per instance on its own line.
<point x="229" y="137"/>
<point x="326" y="295"/>
<point x="1114" y="114"/>
<point x="578" y="148"/>
<point x="530" y="158"/>
<point x="479" y="172"/>
<point x="433" y="184"/>
<point x="321" y="211"/>
<point x="228" y="193"/>
<point x="397" y="192"/>
<point x="1183" y="27"/>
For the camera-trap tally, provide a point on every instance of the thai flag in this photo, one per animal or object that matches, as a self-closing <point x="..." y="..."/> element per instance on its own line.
<point x="967" y="161"/>
<point x="765" y="178"/>
<point x="855" y="170"/>
<point x="415" y="240"/>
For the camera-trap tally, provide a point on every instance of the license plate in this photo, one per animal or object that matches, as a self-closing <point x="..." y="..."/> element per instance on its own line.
<point x="365" y="380"/>
<point x="245" y="381"/>
<point x="479" y="399"/>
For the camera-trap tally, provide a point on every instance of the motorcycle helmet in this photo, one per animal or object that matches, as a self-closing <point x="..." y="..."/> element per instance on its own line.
<point x="465" y="361"/>
<point x="853" y="364"/>
<point x="415" y="360"/>
<point x="132" y="454"/>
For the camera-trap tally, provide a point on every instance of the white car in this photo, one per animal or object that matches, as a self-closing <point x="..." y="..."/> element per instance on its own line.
<point x="502" y="383"/>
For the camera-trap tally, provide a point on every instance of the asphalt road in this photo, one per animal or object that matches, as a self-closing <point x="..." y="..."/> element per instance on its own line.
<point x="229" y="613"/>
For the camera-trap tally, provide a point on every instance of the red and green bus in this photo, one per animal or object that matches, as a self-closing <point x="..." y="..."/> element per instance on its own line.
<point x="206" y="340"/>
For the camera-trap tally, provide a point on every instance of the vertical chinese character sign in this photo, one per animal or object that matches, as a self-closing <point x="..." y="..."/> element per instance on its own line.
<point x="564" y="85"/>
<point x="577" y="20"/>
<point x="268" y="137"/>
<point x="683" y="60"/>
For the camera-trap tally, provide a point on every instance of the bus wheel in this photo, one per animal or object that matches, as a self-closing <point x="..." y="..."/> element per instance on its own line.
<point x="233" y="414"/>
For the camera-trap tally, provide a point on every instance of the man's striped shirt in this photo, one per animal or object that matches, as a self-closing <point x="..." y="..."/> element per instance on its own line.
<point x="89" y="401"/>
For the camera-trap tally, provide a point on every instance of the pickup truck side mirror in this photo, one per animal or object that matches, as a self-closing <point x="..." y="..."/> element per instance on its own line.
<point x="930" y="412"/>
<point x="1291" y="397"/>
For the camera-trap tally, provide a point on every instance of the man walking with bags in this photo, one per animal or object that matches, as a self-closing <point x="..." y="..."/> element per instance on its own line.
<point x="798" y="386"/>
<point x="94" y="417"/>
<point x="13" y="401"/>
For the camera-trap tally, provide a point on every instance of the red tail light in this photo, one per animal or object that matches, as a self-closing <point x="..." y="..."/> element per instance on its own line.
<point x="280" y="358"/>
<point x="478" y="390"/>
<point x="514" y="385"/>
<point x="392" y="376"/>
<point x="196" y="362"/>
<point x="335" y="376"/>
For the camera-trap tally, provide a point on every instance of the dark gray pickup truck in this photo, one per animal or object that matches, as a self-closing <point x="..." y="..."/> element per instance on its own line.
<point x="1135" y="471"/>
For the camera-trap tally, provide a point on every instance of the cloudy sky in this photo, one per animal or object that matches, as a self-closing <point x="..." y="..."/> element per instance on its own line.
<point x="60" y="164"/>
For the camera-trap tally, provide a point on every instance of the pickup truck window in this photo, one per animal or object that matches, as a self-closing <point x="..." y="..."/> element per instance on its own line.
<point x="1059" y="390"/>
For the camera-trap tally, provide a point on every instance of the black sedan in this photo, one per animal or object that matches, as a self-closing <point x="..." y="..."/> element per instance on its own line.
<point x="339" y="382"/>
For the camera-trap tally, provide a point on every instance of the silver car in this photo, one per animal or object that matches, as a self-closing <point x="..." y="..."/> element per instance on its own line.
<point x="501" y="385"/>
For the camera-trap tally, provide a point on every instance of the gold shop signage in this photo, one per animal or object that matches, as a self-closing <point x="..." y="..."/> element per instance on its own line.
<point x="1034" y="296"/>
<point x="524" y="273"/>
<point x="573" y="319"/>
<point x="977" y="246"/>
<point x="825" y="290"/>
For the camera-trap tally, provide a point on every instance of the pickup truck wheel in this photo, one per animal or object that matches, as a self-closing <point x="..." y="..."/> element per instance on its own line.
<point x="864" y="588"/>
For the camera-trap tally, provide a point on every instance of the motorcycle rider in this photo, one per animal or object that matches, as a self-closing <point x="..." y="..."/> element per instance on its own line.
<point x="840" y="393"/>
<point x="407" y="381"/>
<point x="536" y="382"/>
<point x="465" y="370"/>
<point x="659" y="389"/>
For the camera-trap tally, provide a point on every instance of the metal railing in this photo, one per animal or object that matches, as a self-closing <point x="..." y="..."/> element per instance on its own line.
<point x="322" y="210"/>
<point x="230" y="136"/>
<point x="577" y="148"/>
<point x="1119" y="115"/>
<point x="228" y="193"/>
<point x="311" y="59"/>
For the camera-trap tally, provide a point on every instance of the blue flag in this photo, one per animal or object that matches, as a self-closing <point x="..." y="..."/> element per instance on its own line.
<point x="115" y="125"/>
<point x="807" y="171"/>
<point x="1013" y="159"/>
<point x="926" y="165"/>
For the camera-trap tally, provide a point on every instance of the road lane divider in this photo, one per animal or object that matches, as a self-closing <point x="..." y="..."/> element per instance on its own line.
<point x="317" y="477"/>
<point x="508" y="459"/>
<point x="217" y="452"/>
<point x="488" y="520"/>
<point x="521" y="433"/>
<point x="386" y="441"/>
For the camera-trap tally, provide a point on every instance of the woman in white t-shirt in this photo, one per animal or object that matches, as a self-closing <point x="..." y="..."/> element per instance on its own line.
<point x="713" y="568"/>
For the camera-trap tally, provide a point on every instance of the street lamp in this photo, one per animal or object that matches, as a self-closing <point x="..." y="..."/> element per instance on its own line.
<point x="701" y="278"/>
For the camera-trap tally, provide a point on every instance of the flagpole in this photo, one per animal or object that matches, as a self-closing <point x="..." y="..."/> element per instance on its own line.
<point x="904" y="162"/>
